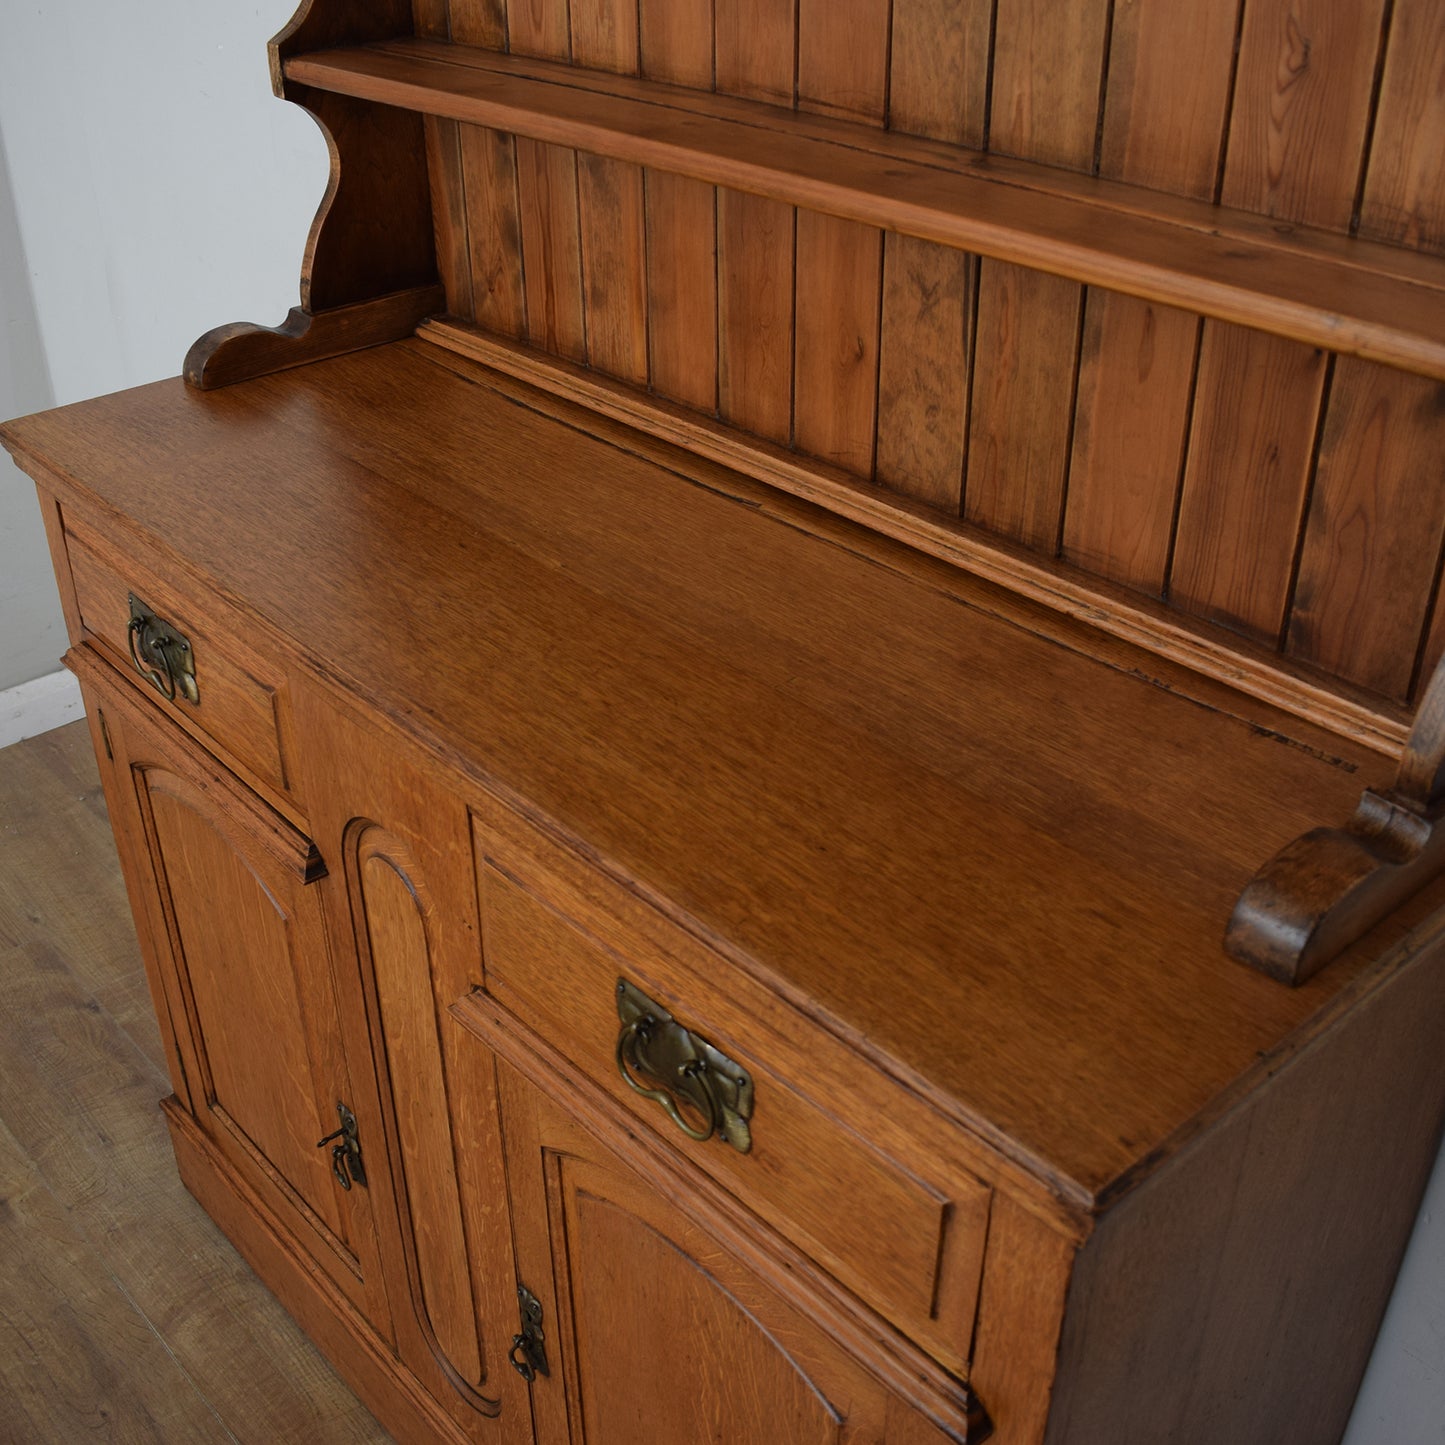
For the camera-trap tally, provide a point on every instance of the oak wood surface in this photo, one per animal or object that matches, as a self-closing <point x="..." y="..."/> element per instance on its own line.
<point x="779" y="745"/>
<point x="134" y="1316"/>
<point x="659" y="428"/>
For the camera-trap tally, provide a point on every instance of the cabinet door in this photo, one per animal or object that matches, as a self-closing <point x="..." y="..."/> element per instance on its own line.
<point x="224" y="893"/>
<point x="654" y="1328"/>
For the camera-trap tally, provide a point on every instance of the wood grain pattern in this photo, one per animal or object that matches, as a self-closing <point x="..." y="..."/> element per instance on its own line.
<point x="1246" y="477"/>
<point x="551" y="248"/>
<point x="843" y="58"/>
<point x="682" y="289"/>
<point x="1163" y="127"/>
<point x="494" y="230"/>
<point x="614" y="265"/>
<point x="755" y="314"/>
<point x="938" y="69"/>
<point x="677" y="41"/>
<point x="605" y="34"/>
<point x="1021" y="1315"/>
<point x="1047" y="63"/>
<point x="449" y="213"/>
<point x="928" y="295"/>
<point x="1026" y="347"/>
<point x="1047" y="593"/>
<point x="1239" y="1310"/>
<point x="1301" y="103"/>
<point x="1403" y="200"/>
<point x="1136" y="371"/>
<point x="479" y="22"/>
<point x="538" y="27"/>
<point x="1046" y="78"/>
<point x="835" y="369"/>
<point x="1296" y="137"/>
<point x="1373" y="539"/>
<point x="756" y="48"/>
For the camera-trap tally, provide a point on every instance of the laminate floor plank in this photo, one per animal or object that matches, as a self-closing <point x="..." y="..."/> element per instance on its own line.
<point x="129" y="1315"/>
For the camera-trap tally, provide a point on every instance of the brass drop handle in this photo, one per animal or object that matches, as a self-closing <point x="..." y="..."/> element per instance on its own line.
<point x="161" y="654"/>
<point x="680" y="1065"/>
<point x="691" y="1078"/>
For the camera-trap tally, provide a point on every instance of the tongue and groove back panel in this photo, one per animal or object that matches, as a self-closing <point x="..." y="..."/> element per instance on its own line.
<point x="1258" y="486"/>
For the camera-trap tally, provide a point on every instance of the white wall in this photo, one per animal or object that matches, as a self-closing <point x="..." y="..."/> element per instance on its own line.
<point x="159" y="190"/>
<point x="151" y="188"/>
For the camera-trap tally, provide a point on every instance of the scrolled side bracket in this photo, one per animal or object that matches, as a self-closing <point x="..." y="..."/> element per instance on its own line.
<point x="369" y="274"/>
<point x="1331" y="885"/>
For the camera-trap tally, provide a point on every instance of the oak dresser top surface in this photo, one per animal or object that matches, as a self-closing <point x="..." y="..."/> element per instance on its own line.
<point x="998" y="864"/>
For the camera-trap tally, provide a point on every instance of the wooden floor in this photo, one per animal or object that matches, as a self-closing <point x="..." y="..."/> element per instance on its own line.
<point x="124" y="1314"/>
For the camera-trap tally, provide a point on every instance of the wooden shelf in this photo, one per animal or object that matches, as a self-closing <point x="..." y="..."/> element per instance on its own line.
<point x="1354" y="297"/>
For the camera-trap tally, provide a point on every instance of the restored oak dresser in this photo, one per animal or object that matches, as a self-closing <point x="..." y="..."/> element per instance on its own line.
<point x="797" y="714"/>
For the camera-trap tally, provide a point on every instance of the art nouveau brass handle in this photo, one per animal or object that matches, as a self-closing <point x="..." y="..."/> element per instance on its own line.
<point x="686" y="1067"/>
<point x="161" y="654"/>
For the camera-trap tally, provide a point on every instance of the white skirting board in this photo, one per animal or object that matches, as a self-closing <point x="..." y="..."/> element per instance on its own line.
<point x="35" y="707"/>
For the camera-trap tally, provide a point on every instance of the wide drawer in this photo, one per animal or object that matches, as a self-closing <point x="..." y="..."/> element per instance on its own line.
<point x="234" y="703"/>
<point x="870" y="1192"/>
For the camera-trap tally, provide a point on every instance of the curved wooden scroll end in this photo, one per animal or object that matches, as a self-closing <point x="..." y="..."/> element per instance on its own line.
<point x="1332" y="885"/>
<point x="1327" y="888"/>
<point x="241" y="351"/>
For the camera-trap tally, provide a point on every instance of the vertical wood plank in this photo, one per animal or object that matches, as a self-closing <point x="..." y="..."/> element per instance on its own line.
<point x="449" y="213"/>
<point x="677" y="41"/>
<point x="551" y="248"/>
<point x="429" y="17"/>
<point x="1246" y="478"/>
<point x="614" y="265"/>
<point x="923" y="370"/>
<point x="494" y="231"/>
<point x="835" y="369"/>
<point x="1163" y="127"/>
<point x="1301" y="107"/>
<point x="938" y="88"/>
<point x="1377" y="520"/>
<point x="478" y="22"/>
<point x="755" y="314"/>
<point x="604" y="35"/>
<point x="536" y="27"/>
<point x="682" y="288"/>
<point x="1048" y="62"/>
<point x="1026" y="349"/>
<point x="610" y="207"/>
<point x="1370" y="562"/>
<point x="756" y="48"/>
<point x="938" y="74"/>
<point x="843" y="58"/>
<point x="1136" y="368"/>
<point x="756" y="56"/>
<point x="1404" y="200"/>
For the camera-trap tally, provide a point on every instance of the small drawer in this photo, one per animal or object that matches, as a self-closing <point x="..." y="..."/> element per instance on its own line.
<point x="230" y="702"/>
<point x="852" y="1182"/>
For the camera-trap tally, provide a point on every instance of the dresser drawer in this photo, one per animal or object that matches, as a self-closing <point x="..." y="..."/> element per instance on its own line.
<point x="866" y="1193"/>
<point x="233" y="702"/>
